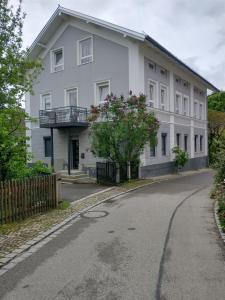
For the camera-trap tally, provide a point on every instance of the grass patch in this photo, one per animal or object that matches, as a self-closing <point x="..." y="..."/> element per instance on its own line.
<point x="133" y="183"/>
<point x="64" y="204"/>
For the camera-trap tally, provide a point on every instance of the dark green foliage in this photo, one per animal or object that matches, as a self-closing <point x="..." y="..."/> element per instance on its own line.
<point x="217" y="101"/>
<point x="181" y="157"/>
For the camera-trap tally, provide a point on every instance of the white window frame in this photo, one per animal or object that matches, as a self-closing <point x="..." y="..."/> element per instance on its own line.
<point x="196" y="113"/>
<point x="41" y="100"/>
<point x="201" y="113"/>
<point x="165" y="87"/>
<point x="96" y="86"/>
<point x="188" y="107"/>
<point x="65" y="94"/>
<point x="52" y="58"/>
<point x="179" y="104"/>
<point x="153" y="102"/>
<point x="79" y="63"/>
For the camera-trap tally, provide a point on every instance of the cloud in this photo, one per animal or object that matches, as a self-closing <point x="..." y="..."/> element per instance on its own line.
<point x="193" y="30"/>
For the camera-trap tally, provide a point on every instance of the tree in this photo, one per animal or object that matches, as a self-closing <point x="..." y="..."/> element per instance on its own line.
<point x="217" y="101"/>
<point x="120" y="128"/>
<point x="18" y="73"/>
<point x="216" y="126"/>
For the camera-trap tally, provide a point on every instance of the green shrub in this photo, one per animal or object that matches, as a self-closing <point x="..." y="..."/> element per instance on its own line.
<point x="181" y="157"/>
<point x="40" y="168"/>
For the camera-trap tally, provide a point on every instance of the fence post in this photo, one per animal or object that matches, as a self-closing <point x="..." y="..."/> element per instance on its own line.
<point x="128" y="171"/>
<point x="58" y="189"/>
<point x="117" y="172"/>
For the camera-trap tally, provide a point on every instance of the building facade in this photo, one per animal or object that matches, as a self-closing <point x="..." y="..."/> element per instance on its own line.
<point x="85" y="59"/>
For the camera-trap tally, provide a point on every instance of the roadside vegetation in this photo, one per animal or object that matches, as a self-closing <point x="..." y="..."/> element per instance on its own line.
<point x="18" y="73"/>
<point x="216" y="116"/>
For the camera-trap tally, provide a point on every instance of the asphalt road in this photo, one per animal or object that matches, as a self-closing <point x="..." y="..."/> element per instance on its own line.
<point x="73" y="192"/>
<point x="159" y="242"/>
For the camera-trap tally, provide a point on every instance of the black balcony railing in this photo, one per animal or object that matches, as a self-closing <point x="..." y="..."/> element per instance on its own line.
<point x="68" y="116"/>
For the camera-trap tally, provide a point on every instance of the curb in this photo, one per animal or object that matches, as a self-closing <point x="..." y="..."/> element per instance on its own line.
<point x="222" y="234"/>
<point x="30" y="247"/>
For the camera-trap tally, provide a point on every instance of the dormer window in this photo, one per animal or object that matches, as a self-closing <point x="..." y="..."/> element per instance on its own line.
<point x="85" y="51"/>
<point x="57" y="60"/>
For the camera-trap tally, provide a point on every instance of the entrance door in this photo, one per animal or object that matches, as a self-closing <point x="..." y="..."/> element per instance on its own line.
<point x="75" y="154"/>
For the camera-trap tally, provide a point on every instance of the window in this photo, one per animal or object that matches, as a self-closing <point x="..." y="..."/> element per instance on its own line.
<point x="102" y="91"/>
<point x="163" y="139"/>
<point x="152" y="151"/>
<point x="177" y="103"/>
<point x="152" y="93"/>
<point x="163" y="97"/>
<point x="201" y="111"/>
<point x="195" y="109"/>
<point x="57" y="60"/>
<point x="71" y="97"/>
<point x="85" y="51"/>
<point x="185" y="105"/>
<point x="201" y="143"/>
<point x="47" y="146"/>
<point x="163" y="72"/>
<point x="178" y="139"/>
<point x="152" y="65"/>
<point x="185" y="142"/>
<point x="196" y="143"/>
<point x="46" y="101"/>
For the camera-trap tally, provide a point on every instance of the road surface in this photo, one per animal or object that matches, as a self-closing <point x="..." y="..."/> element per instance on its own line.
<point x="159" y="242"/>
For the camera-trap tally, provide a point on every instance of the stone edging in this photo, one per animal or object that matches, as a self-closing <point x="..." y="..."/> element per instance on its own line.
<point x="222" y="234"/>
<point x="30" y="247"/>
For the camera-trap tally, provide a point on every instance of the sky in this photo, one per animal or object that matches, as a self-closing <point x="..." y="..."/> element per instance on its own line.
<point x="193" y="30"/>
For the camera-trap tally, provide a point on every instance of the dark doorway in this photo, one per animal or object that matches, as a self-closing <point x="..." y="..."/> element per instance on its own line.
<point x="75" y="154"/>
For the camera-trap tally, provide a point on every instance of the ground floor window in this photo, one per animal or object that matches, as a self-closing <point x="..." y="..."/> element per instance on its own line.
<point x="196" y="142"/>
<point x="201" y="143"/>
<point x="47" y="146"/>
<point x="178" y="139"/>
<point x="185" y="142"/>
<point x="152" y="151"/>
<point x="163" y="141"/>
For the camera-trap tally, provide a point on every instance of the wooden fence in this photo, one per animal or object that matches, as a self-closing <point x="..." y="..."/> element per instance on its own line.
<point x="23" y="198"/>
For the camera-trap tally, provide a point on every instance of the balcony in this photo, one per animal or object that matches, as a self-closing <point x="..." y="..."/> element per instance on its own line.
<point x="68" y="116"/>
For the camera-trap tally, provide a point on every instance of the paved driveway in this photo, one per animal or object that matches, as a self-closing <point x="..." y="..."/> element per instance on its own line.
<point x="159" y="242"/>
<point x="73" y="192"/>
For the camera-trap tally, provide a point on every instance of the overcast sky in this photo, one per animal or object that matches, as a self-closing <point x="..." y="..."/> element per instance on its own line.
<point x="193" y="30"/>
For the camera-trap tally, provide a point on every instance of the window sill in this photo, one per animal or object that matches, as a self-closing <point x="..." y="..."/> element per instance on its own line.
<point x="52" y="72"/>
<point x="86" y="63"/>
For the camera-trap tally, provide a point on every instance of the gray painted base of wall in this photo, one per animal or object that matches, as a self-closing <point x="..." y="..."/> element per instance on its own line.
<point x="169" y="167"/>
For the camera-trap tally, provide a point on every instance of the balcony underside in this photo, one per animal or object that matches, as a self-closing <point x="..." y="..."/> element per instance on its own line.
<point x="64" y="125"/>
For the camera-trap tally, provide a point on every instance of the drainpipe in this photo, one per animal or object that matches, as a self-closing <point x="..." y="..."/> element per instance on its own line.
<point x="52" y="149"/>
<point x="69" y="154"/>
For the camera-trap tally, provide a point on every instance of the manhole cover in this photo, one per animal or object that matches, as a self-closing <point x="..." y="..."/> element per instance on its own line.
<point x="95" y="214"/>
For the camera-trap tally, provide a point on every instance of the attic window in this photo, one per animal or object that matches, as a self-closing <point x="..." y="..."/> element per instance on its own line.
<point x="57" y="60"/>
<point x="163" y="72"/>
<point x="178" y="80"/>
<point x="152" y="65"/>
<point x="185" y="83"/>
